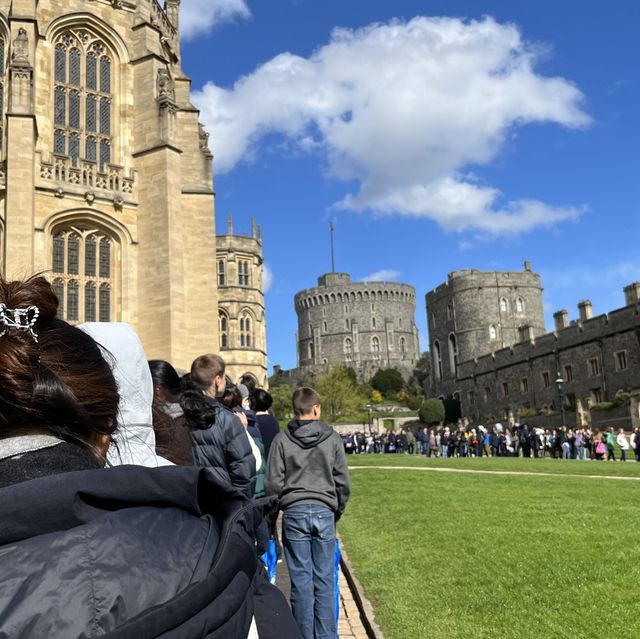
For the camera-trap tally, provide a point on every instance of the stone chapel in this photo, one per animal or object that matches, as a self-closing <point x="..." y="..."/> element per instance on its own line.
<point x="106" y="173"/>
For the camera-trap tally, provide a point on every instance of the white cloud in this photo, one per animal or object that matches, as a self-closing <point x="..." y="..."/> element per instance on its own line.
<point x="267" y="277"/>
<point x="198" y="17"/>
<point x="407" y="109"/>
<point x="384" y="275"/>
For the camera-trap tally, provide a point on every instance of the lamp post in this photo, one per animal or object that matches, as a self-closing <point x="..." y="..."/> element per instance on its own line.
<point x="559" y="383"/>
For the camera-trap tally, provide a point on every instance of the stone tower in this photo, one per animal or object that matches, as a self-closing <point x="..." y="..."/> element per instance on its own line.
<point x="105" y="173"/>
<point x="241" y="312"/>
<point x="475" y="313"/>
<point x="363" y="325"/>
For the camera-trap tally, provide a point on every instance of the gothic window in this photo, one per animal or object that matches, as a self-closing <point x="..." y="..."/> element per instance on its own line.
<point x="375" y="347"/>
<point x="438" y="358"/>
<point x="243" y="273"/>
<point x="312" y="351"/>
<point x="519" y="305"/>
<point x="450" y="311"/>
<point x="221" y="273"/>
<point x="82" y="259"/>
<point x="403" y="345"/>
<point x="223" y="326"/>
<point x="453" y="354"/>
<point x="83" y="99"/>
<point x="504" y="305"/>
<point x="493" y="332"/>
<point x="246" y="328"/>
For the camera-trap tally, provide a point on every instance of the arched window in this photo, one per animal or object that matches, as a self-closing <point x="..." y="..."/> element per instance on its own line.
<point x="504" y="305"/>
<point x="519" y="305"/>
<point x="450" y="311"/>
<point x="375" y="346"/>
<point x="81" y="261"/>
<point x="246" y="329"/>
<point x="438" y="357"/>
<point x="453" y="354"/>
<point x="83" y="99"/>
<point x="348" y="349"/>
<point x="222" y="273"/>
<point x="223" y="329"/>
<point x="312" y="351"/>
<point x="403" y="345"/>
<point x="493" y="332"/>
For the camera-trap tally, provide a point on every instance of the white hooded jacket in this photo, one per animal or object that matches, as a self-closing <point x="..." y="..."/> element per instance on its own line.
<point x="135" y="441"/>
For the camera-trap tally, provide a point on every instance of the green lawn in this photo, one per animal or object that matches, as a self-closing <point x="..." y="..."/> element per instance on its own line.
<point x="474" y="556"/>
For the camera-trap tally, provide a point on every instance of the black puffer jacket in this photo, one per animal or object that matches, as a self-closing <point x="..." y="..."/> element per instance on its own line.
<point x="220" y="441"/>
<point x="133" y="553"/>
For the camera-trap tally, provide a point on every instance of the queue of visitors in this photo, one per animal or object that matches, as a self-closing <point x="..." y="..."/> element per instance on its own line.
<point x="132" y="500"/>
<point x="518" y="441"/>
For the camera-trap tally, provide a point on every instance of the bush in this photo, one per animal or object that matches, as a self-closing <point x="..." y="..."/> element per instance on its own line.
<point x="432" y="411"/>
<point x="388" y="381"/>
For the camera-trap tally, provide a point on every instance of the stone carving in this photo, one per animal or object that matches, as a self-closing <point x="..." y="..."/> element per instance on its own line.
<point x="204" y="140"/>
<point x="166" y="86"/>
<point x="118" y="202"/>
<point x="90" y="197"/>
<point x="20" y="48"/>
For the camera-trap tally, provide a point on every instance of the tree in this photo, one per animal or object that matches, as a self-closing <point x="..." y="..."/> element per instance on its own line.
<point x="432" y="411"/>
<point x="339" y="394"/>
<point x="388" y="381"/>
<point x="282" y="394"/>
<point x="422" y="372"/>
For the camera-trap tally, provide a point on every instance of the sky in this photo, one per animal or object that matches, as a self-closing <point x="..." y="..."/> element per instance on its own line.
<point x="435" y="135"/>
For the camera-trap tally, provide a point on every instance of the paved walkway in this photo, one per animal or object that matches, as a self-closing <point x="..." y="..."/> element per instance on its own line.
<point x="349" y="623"/>
<point x="523" y="473"/>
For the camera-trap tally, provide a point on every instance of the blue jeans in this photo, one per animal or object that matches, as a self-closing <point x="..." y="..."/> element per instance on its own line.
<point x="309" y="538"/>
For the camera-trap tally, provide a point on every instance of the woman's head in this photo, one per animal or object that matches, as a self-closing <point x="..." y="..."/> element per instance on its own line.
<point x="166" y="381"/>
<point x="61" y="383"/>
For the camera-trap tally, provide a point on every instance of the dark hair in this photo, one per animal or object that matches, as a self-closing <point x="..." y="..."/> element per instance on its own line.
<point x="165" y="376"/>
<point x="60" y="384"/>
<point x="231" y="398"/>
<point x="250" y="382"/>
<point x="303" y="400"/>
<point x="261" y="400"/>
<point x="205" y="368"/>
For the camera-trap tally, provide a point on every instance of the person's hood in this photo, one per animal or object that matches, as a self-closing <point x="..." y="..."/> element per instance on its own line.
<point x="308" y="433"/>
<point x="135" y="441"/>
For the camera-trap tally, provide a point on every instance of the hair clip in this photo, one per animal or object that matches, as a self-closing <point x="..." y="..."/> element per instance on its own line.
<point x="20" y="319"/>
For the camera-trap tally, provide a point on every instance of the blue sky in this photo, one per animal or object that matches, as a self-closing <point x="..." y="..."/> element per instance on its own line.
<point x="435" y="135"/>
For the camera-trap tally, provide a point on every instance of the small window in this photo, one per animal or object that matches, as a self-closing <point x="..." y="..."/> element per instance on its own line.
<point x="471" y="397"/>
<point x="568" y="374"/>
<point x="493" y="332"/>
<point x="594" y="367"/>
<point x="403" y="345"/>
<point x="375" y="345"/>
<point x="504" y="305"/>
<point x="621" y="360"/>
<point x="243" y="272"/>
<point x="505" y="389"/>
<point x="596" y="395"/>
<point x="524" y="385"/>
<point x="324" y="327"/>
<point x="487" y="393"/>
<point x="221" y="273"/>
<point x="450" y="311"/>
<point x="519" y="305"/>
<point x="312" y="351"/>
<point x="546" y="380"/>
<point x="223" y="326"/>
<point x="373" y="322"/>
<point x="346" y="324"/>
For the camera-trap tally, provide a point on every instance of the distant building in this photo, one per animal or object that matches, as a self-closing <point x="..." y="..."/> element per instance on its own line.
<point x="363" y="325"/>
<point x="477" y="312"/>
<point x="241" y="309"/>
<point x="505" y="367"/>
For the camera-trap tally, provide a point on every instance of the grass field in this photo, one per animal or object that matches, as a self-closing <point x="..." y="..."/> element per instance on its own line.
<point x="475" y="556"/>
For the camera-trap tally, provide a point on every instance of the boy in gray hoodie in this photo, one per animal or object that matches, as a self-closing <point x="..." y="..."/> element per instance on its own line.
<point x="307" y="470"/>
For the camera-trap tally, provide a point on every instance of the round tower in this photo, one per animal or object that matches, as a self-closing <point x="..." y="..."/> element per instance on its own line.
<point x="477" y="312"/>
<point x="363" y="325"/>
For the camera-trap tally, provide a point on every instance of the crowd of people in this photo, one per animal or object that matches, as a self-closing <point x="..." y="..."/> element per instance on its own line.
<point x="135" y="502"/>
<point x="518" y="441"/>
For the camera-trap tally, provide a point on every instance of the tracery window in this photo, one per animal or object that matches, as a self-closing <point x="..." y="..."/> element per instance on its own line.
<point x="223" y="329"/>
<point x="83" y="99"/>
<point x="81" y="261"/>
<point x="221" y="273"/>
<point x="504" y="305"/>
<point x="246" y="328"/>
<point x="519" y="305"/>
